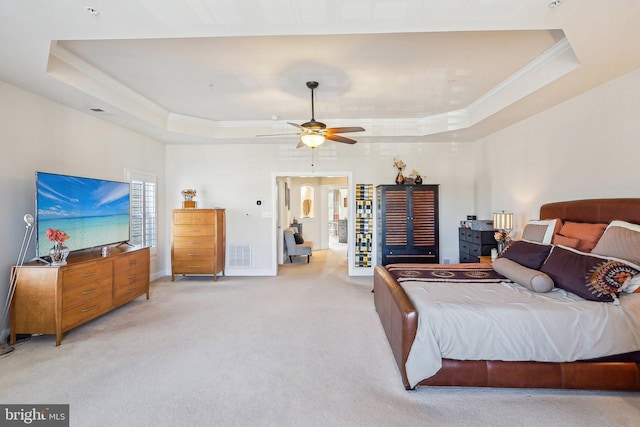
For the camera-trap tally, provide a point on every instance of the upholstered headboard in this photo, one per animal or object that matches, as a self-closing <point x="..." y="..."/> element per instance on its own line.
<point x="593" y="210"/>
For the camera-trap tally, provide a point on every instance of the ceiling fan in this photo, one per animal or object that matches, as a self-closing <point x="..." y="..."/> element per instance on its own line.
<point x="313" y="133"/>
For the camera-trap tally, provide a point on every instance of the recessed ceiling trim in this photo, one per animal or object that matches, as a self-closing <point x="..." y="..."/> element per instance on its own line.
<point x="554" y="63"/>
<point x="78" y="73"/>
<point x="75" y="71"/>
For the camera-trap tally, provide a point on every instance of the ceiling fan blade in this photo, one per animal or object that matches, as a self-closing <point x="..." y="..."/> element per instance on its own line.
<point x="339" y="138"/>
<point x="345" y="129"/>
<point x="300" y="144"/>
<point x="297" y="125"/>
<point x="277" y="134"/>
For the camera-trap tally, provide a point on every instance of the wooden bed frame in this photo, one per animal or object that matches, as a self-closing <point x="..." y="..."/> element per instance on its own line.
<point x="400" y="321"/>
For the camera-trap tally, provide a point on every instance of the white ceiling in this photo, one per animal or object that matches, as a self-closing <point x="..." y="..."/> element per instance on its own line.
<point x="220" y="71"/>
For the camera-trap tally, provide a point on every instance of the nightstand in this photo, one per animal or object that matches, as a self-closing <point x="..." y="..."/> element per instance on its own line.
<point x="486" y="259"/>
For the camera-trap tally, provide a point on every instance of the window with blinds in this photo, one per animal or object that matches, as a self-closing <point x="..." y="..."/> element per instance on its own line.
<point x="143" y="209"/>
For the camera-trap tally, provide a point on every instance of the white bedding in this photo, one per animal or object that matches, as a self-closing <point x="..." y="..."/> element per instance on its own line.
<point x="504" y="321"/>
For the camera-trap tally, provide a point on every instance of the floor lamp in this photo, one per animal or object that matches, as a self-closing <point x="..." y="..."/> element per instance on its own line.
<point x="15" y="273"/>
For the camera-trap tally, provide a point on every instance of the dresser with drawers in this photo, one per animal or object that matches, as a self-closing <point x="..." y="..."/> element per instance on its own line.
<point x="55" y="299"/>
<point x="198" y="242"/>
<point x="475" y="243"/>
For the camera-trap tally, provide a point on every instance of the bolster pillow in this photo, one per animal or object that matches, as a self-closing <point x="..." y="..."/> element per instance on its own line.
<point x="533" y="280"/>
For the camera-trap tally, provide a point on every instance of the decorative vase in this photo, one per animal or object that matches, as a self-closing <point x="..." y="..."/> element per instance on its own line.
<point x="500" y="247"/>
<point x="59" y="254"/>
<point x="400" y="177"/>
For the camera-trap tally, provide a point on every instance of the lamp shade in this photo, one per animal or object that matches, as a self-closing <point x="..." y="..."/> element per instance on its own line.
<point x="312" y="140"/>
<point x="503" y="220"/>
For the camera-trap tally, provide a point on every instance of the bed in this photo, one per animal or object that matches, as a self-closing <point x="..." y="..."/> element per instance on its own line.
<point x="400" y="319"/>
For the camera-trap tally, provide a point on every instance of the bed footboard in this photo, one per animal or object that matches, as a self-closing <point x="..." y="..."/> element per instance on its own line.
<point x="398" y="316"/>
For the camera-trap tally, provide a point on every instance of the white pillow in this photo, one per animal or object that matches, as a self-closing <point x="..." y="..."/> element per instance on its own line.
<point x="532" y="233"/>
<point x="620" y="239"/>
<point x="624" y="224"/>
<point x="632" y="284"/>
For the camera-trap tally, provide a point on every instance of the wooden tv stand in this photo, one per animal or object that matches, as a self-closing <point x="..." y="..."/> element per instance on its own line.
<point x="56" y="299"/>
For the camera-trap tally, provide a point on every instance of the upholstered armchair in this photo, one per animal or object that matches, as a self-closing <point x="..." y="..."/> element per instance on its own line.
<point x="296" y="249"/>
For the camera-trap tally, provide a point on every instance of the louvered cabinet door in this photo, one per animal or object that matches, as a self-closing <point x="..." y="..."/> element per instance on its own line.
<point x="424" y="218"/>
<point x="407" y="224"/>
<point x="396" y="219"/>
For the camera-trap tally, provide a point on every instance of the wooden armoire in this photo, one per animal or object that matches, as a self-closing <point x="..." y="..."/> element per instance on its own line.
<point x="407" y="224"/>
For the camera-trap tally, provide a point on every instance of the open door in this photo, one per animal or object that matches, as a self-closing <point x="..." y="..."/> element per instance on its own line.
<point x="288" y="204"/>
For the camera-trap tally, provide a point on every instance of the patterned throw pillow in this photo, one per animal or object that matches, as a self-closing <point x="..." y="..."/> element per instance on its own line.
<point x="298" y="238"/>
<point x="590" y="277"/>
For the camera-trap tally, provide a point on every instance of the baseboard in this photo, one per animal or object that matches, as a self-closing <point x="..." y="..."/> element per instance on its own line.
<point x="250" y="272"/>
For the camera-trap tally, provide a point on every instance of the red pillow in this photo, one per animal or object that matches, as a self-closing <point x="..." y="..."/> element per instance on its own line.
<point x="571" y="242"/>
<point x="588" y="234"/>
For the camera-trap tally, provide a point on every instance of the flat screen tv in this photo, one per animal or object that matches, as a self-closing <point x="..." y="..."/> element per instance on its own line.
<point x="93" y="212"/>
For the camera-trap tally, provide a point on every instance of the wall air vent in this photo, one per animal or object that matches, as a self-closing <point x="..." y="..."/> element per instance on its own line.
<point x="239" y="256"/>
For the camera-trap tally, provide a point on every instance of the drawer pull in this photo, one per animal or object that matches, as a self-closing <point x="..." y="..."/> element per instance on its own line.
<point x="194" y="266"/>
<point x="133" y="276"/>
<point x="87" y="292"/>
<point x="131" y="290"/>
<point x="89" y="274"/>
<point x="194" y="254"/>
<point x="133" y="261"/>
<point x="90" y="308"/>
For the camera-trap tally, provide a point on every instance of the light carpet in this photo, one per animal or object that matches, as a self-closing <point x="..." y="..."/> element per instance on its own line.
<point x="304" y="348"/>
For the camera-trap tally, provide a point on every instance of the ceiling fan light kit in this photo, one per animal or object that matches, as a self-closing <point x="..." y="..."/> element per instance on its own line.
<point x="312" y="140"/>
<point x="314" y="133"/>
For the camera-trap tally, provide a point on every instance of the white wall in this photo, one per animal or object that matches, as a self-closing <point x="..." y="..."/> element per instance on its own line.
<point x="37" y="134"/>
<point x="587" y="147"/>
<point x="236" y="176"/>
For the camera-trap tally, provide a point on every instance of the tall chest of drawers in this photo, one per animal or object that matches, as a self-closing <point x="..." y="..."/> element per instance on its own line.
<point x="198" y="240"/>
<point x="475" y="243"/>
<point x="56" y="299"/>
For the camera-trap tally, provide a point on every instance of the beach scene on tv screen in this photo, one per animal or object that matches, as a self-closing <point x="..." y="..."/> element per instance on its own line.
<point x="92" y="212"/>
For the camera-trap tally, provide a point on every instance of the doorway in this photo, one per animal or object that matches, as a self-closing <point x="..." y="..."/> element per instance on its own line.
<point x="316" y="216"/>
<point x="338" y="214"/>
